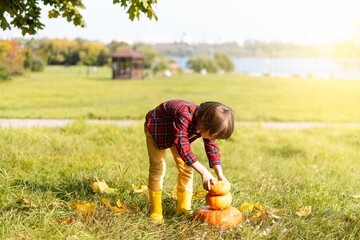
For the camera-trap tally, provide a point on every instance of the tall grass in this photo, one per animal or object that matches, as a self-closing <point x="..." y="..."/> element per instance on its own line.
<point x="279" y="168"/>
<point x="67" y="92"/>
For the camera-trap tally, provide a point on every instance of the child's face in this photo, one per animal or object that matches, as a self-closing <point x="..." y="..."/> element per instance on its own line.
<point x="206" y="134"/>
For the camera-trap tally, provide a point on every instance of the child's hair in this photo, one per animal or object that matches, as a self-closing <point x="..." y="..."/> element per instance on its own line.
<point x="216" y="118"/>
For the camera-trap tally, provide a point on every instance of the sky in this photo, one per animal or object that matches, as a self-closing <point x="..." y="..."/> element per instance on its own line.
<point x="212" y="21"/>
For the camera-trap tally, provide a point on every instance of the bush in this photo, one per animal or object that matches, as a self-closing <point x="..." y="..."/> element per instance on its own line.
<point x="161" y="64"/>
<point x="203" y="62"/>
<point x="38" y="64"/>
<point x="5" y="73"/>
<point x="224" y="61"/>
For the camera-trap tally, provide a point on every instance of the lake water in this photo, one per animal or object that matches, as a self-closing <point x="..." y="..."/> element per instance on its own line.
<point x="286" y="67"/>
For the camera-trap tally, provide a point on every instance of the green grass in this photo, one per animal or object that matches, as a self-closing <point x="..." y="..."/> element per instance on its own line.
<point x="62" y="92"/>
<point x="279" y="168"/>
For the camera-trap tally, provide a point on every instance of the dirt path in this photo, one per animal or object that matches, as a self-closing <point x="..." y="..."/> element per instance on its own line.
<point x="17" y="123"/>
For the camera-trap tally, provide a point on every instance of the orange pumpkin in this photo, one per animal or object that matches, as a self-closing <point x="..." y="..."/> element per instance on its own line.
<point x="225" y="218"/>
<point x="218" y="202"/>
<point x="220" y="188"/>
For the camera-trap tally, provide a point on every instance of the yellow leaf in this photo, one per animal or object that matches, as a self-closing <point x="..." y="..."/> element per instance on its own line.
<point x="26" y="202"/>
<point x="259" y="207"/>
<point x="139" y="189"/>
<point x="200" y="194"/>
<point x="83" y="207"/>
<point x="118" y="208"/>
<point x="101" y="186"/>
<point x="246" y="207"/>
<point x="63" y="221"/>
<point x="305" y="211"/>
<point x="351" y="217"/>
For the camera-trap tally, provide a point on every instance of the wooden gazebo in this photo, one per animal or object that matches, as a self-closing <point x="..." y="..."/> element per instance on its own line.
<point x="127" y="64"/>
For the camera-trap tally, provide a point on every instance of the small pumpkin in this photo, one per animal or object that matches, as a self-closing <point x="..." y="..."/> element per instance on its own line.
<point x="220" y="188"/>
<point x="224" y="218"/>
<point x="218" y="202"/>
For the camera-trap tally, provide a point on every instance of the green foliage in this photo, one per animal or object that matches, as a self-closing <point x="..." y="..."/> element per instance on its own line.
<point x="150" y="52"/>
<point x="203" y="62"/>
<point x="5" y="73"/>
<point x="115" y="46"/>
<point x="224" y="61"/>
<point x="161" y="64"/>
<point x="38" y="64"/>
<point x="92" y="54"/>
<point x="59" y="51"/>
<point x="25" y="15"/>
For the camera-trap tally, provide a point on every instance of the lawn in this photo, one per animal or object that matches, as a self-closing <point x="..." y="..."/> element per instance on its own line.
<point x="67" y="92"/>
<point x="279" y="168"/>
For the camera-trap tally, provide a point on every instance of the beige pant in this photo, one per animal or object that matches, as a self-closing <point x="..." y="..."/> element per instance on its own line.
<point x="158" y="166"/>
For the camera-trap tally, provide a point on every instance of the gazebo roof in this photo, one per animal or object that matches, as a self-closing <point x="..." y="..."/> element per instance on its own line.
<point x="128" y="53"/>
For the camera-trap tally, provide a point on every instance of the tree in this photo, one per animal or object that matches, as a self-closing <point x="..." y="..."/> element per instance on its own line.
<point x="203" y="62"/>
<point x="224" y="61"/>
<point x="150" y="52"/>
<point x="59" y="51"/>
<point x="12" y="56"/>
<point x="25" y="15"/>
<point x="92" y="53"/>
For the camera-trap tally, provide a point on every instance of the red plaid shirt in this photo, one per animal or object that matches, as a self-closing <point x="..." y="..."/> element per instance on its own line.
<point x="172" y="123"/>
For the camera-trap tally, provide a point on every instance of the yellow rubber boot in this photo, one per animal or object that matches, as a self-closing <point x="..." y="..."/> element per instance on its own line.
<point x="184" y="200"/>
<point x="156" y="206"/>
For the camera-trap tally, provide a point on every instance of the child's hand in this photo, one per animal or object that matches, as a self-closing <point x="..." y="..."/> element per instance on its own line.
<point x="208" y="179"/>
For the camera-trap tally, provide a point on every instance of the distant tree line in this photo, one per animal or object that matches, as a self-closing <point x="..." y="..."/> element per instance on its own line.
<point x="247" y="49"/>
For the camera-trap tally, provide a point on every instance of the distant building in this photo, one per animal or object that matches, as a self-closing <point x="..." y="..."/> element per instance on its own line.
<point x="127" y="64"/>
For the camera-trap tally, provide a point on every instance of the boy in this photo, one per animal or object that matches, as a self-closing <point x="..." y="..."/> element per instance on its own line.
<point x="175" y="124"/>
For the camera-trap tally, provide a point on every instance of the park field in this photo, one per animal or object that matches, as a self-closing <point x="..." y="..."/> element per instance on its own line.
<point x="289" y="169"/>
<point x="67" y="92"/>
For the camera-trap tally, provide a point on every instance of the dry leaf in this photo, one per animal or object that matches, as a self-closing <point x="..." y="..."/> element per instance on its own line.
<point x="173" y="193"/>
<point x="101" y="186"/>
<point x="305" y="211"/>
<point x="259" y="207"/>
<point x="139" y="189"/>
<point x="351" y="217"/>
<point x="200" y="194"/>
<point x="83" y="207"/>
<point x="115" y="209"/>
<point x="356" y="197"/>
<point x="63" y="221"/>
<point x="246" y="207"/>
<point x="26" y="202"/>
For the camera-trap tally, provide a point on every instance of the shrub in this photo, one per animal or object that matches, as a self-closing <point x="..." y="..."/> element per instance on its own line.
<point x="224" y="61"/>
<point x="203" y="62"/>
<point x="38" y="64"/>
<point x="5" y="73"/>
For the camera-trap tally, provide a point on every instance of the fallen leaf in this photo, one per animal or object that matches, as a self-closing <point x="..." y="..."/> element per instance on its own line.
<point x="118" y="208"/>
<point x="83" y="207"/>
<point x="351" y="217"/>
<point x="246" y="207"/>
<point x="305" y="211"/>
<point x="139" y="189"/>
<point x="63" y="221"/>
<point x="259" y="207"/>
<point x="200" y="193"/>
<point x="101" y="186"/>
<point x="26" y="202"/>
<point x="173" y="193"/>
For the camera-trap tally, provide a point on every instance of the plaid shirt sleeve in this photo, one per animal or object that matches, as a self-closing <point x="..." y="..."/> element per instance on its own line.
<point x="181" y="139"/>
<point x="212" y="152"/>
